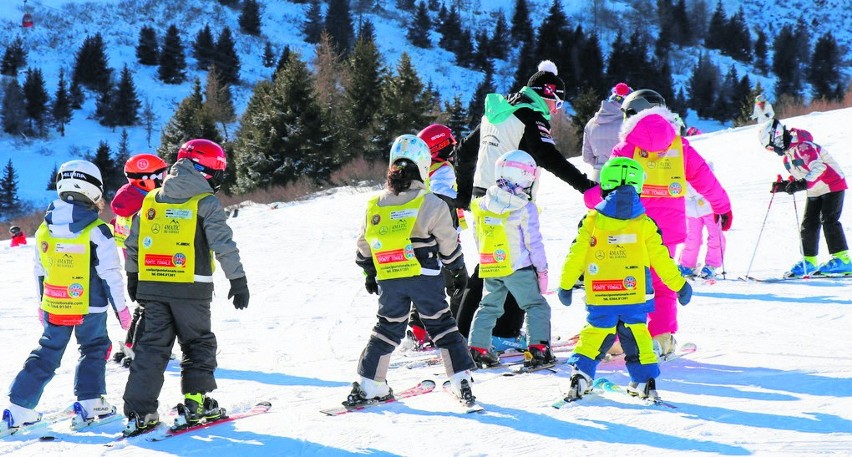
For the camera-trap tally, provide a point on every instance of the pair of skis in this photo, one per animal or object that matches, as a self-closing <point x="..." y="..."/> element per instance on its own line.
<point x="423" y="387"/>
<point x="603" y="386"/>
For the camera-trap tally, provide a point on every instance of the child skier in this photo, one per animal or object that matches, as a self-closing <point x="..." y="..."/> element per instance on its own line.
<point x="19" y="238"/>
<point x="816" y="170"/>
<point x="511" y="259"/>
<point x="699" y="215"/>
<point x="79" y="277"/>
<point x="616" y="246"/>
<point x="144" y="172"/>
<point x="650" y="137"/>
<point x="170" y="270"/>
<point x="442" y="183"/>
<point x="763" y="111"/>
<point x="406" y="238"/>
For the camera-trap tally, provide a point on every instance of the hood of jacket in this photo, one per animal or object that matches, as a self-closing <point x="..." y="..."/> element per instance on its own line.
<point x="501" y="201"/>
<point x="184" y="182"/>
<point x="609" y="113"/>
<point x="651" y="130"/>
<point x="800" y="136"/>
<point x="67" y="219"/>
<point x="498" y="107"/>
<point x="128" y="200"/>
<point x="622" y="203"/>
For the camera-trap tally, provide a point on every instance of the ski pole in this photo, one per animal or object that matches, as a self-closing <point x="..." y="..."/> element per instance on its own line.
<point x="799" y="228"/>
<point x="760" y="234"/>
<point x="722" y="246"/>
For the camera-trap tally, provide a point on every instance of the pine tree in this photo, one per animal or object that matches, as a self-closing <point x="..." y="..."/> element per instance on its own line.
<point x="61" y="108"/>
<point x="51" y="183"/>
<point x="522" y="30"/>
<point x="418" y="27"/>
<point x="451" y="31"/>
<point x="404" y="104"/>
<point x="287" y="107"/>
<point x="268" y="55"/>
<point x="37" y="100"/>
<point x="312" y="28"/>
<point x="743" y="102"/>
<point x="14" y="110"/>
<point x="203" y="48"/>
<point x="499" y="43"/>
<point x="476" y="107"/>
<point x="683" y="28"/>
<point x="148" y="49"/>
<point x="363" y="90"/>
<point x="122" y="154"/>
<point x="14" y="58"/>
<point x="148" y="118"/>
<point x="9" y="201"/>
<point x="618" y="63"/>
<point x="338" y="24"/>
<point x="717" y="28"/>
<point x="250" y="18"/>
<point x="703" y="86"/>
<point x="105" y="163"/>
<point x="105" y="107"/>
<point x="482" y="54"/>
<point x="526" y="66"/>
<point x="824" y="72"/>
<point x="738" y="38"/>
<point x="725" y="107"/>
<point x="91" y="66"/>
<point x="126" y="103"/>
<point x="367" y="31"/>
<point x="218" y="100"/>
<point x="75" y="92"/>
<point x="785" y="64"/>
<point x="592" y="66"/>
<point x="172" y="68"/>
<point x="585" y="105"/>
<point x="761" y="62"/>
<point x="282" y="60"/>
<point x="328" y="83"/>
<point x="191" y="120"/>
<point x="227" y="61"/>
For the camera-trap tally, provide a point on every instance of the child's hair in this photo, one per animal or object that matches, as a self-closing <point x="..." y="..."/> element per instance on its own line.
<point x="400" y="174"/>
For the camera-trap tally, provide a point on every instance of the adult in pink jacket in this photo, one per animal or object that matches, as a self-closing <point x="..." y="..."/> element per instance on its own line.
<point x="650" y="136"/>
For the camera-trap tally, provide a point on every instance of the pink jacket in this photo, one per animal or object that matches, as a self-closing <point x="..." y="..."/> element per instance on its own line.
<point x="807" y="160"/>
<point x="654" y="130"/>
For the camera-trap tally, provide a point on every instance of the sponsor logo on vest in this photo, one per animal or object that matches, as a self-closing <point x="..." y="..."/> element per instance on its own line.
<point x="179" y="259"/>
<point x="151" y="214"/>
<point x="66" y="261"/>
<point x="75" y="290"/>
<point x="375" y="219"/>
<point x="172" y="227"/>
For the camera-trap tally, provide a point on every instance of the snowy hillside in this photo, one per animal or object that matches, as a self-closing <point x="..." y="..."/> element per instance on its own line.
<point x="62" y="25"/>
<point x="771" y="375"/>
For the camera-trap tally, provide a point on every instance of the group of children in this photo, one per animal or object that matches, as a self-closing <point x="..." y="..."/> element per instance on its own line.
<point x="169" y="274"/>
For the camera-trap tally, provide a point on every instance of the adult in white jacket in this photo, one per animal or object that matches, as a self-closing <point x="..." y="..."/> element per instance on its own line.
<point x="601" y="132"/>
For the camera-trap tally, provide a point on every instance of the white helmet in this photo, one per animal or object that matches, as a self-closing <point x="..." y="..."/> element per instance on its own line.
<point x="517" y="168"/>
<point x="414" y="149"/>
<point x="771" y="136"/>
<point x="79" y="180"/>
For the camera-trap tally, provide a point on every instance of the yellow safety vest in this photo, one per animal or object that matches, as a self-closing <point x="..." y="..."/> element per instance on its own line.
<point x="121" y="229"/>
<point x="459" y="212"/>
<point x="615" y="264"/>
<point x="495" y="260"/>
<point x="389" y="236"/>
<point x="66" y="263"/>
<point x="665" y="176"/>
<point x="167" y="239"/>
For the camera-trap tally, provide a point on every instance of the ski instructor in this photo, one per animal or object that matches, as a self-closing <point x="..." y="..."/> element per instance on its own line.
<point x="519" y="121"/>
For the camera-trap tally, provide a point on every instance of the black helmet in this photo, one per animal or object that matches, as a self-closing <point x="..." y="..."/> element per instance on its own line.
<point x="14" y="230"/>
<point x="641" y="100"/>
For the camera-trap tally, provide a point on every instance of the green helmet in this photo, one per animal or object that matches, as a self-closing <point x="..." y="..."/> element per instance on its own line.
<point x="622" y="171"/>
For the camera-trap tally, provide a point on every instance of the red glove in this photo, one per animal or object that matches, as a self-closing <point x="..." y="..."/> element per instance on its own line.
<point x="726" y="219"/>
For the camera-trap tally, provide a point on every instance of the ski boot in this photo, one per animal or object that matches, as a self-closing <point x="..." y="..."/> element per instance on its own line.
<point x="707" y="272"/>
<point x="686" y="272"/>
<point x="540" y="354"/>
<point x="420" y="338"/>
<point x="644" y="390"/>
<point x="368" y="391"/>
<point x="664" y="345"/>
<point x="197" y="408"/>
<point x="804" y="267"/>
<point x="16" y="416"/>
<point x="837" y="266"/>
<point x="483" y="358"/>
<point x="581" y="384"/>
<point x="460" y="383"/>
<point x="88" y="411"/>
<point x="500" y="344"/>
<point x="138" y="424"/>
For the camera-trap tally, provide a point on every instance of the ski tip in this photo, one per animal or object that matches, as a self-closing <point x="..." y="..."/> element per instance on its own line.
<point x="47" y="438"/>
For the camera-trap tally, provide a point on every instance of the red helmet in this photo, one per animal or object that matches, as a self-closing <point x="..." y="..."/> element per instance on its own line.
<point x="145" y="171"/>
<point x="440" y="140"/>
<point x="209" y="159"/>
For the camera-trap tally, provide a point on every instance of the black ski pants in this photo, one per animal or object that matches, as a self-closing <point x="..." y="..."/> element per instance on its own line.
<point x="823" y="212"/>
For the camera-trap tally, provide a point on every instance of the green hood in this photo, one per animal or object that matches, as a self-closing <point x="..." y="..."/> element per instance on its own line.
<point x="498" y="108"/>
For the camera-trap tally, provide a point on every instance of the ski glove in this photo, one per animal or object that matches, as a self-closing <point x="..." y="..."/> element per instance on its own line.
<point x="124" y="318"/>
<point x="565" y="296"/>
<point x="371" y="285"/>
<point x="778" y="186"/>
<point x="459" y="279"/>
<point x="132" y="283"/>
<point x="727" y="219"/>
<point x="542" y="281"/>
<point x="796" y="186"/>
<point x="684" y="295"/>
<point x="240" y="292"/>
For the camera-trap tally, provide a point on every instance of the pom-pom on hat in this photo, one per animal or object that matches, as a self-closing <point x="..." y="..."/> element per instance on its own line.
<point x="546" y="83"/>
<point x="619" y="91"/>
